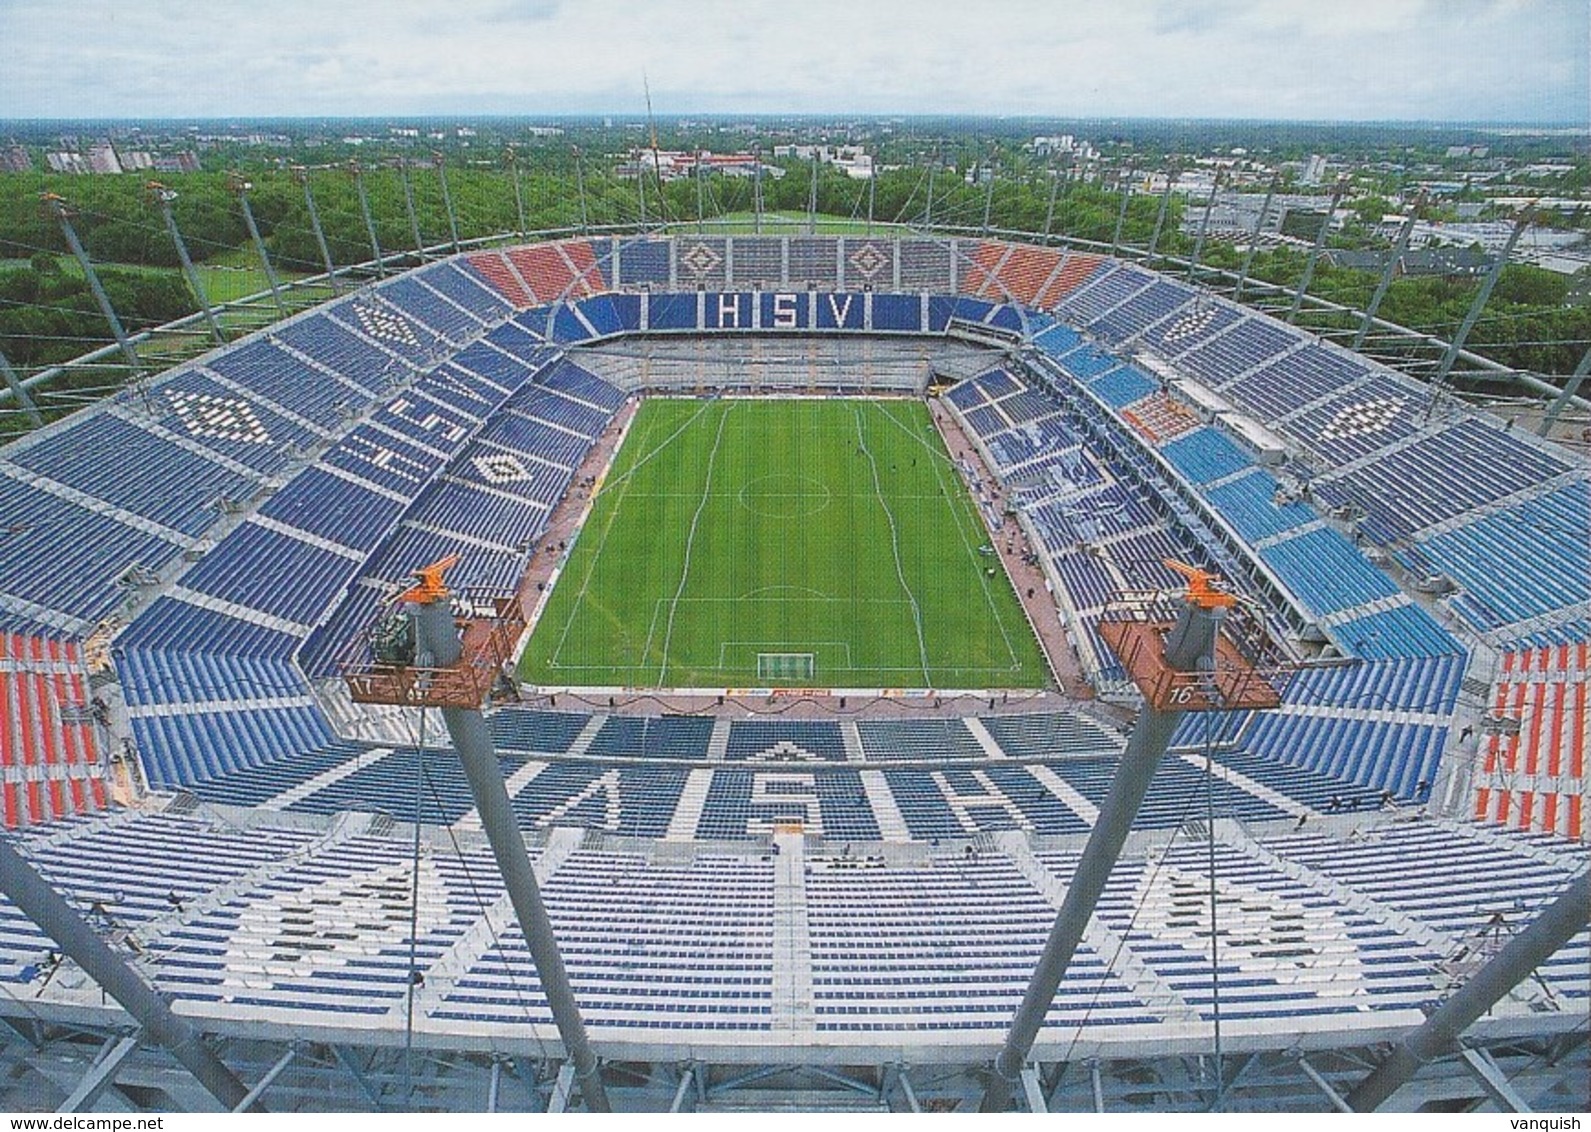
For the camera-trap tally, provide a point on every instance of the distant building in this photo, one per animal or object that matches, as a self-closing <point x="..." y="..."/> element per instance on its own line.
<point x="1450" y="263"/>
<point x="65" y="162"/>
<point x="102" y="158"/>
<point x="15" y="159"/>
<point x="1314" y="170"/>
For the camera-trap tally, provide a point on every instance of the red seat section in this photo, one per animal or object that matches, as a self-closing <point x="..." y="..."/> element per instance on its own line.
<point x="49" y="763"/>
<point x="1536" y="780"/>
<point x="1075" y="270"/>
<point x="583" y="259"/>
<point x="496" y="271"/>
<point x="979" y="273"/>
<point x="546" y="270"/>
<point x="1025" y="271"/>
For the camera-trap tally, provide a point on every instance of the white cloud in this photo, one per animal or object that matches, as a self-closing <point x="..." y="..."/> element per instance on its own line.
<point x="1494" y="59"/>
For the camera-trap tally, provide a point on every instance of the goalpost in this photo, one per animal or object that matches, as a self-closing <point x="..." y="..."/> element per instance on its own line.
<point x="773" y="667"/>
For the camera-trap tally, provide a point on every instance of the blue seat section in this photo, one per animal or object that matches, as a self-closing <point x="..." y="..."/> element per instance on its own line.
<point x="1327" y="572"/>
<point x="986" y="421"/>
<point x="64" y="557"/>
<point x="1085" y="362"/>
<point x="641" y="261"/>
<point x="486" y="361"/>
<point x="1249" y="504"/>
<point x="192" y="641"/>
<point x="546" y="404"/>
<point x="285" y="380"/>
<point x="968" y="395"/>
<point x="1191" y="328"/>
<point x="635" y="800"/>
<point x="410" y="548"/>
<point x="523" y="433"/>
<point x="1020" y="408"/>
<point x="653" y="737"/>
<point x="785" y="739"/>
<point x="1407" y="631"/>
<point x="1301" y="377"/>
<point x="439" y="317"/>
<point x="871" y="969"/>
<point x="135" y="870"/>
<point x="1123" y="385"/>
<point x="567" y="377"/>
<point x="1006" y="316"/>
<point x="930" y="740"/>
<point x="426" y="422"/>
<point x="465" y="288"/>
<point x="1376" y="411"/>
<point x="943" y="308"/>
<point x="1205" y="454"/>
<point x="376" y="456"/>
<point x="925" y="265"/>
<point x="569" y="325"/>
<point x="604" y="318"/>
<point x="1275" y="924"/>
<point x="897" y="312"/>
<point x="494" y="518"/>
<point x="1176" y="793"/>
<point x="1485" y="883"/>
<point x="1400" y="758"/>
<point x="327" y="936"/>
<point x="1411" y="683"/>
<point x="340" y="349"/>
<point x="255" y="785"/>
<point x="1057" y="340"/>
<point x="1440" y="476"/>
<point x="1108" y="288"/>
<point x="815" y="259"/>
<point x="296" y="584"/>
<point x="195" y="744"/>
<point x="963" y="802"/>
<point x="550" y="732"/>
<point x="398" y="782"/>
<point x="745" y="802"/>
<point x="672" y="311"/>
<point x="1316" y="790"/>
<point x="1155" y="302"/>
<point x="109" y="459"/>
<point x="464" y="392"/>
<point x="997" y="383"/>
<point x="1250" y="343"/>
<point x="709" y="969"/>
<point x="1526" y="560"/>
<point x="1048" y="735"/>
<point x="195" y="406"/>
<point x="334" y="508"/>
<point x="519" y="340"/>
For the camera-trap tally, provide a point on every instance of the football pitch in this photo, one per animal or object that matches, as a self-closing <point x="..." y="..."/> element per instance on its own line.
<point x="748" y="543"/>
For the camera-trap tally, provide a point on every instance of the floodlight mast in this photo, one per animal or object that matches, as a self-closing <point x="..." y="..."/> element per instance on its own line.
<point x="1181" y="663"/>
<point x="455" y="676"/>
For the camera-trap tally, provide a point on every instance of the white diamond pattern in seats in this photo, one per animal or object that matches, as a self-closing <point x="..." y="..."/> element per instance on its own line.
<point x="501" y="467"/>
<point x="700" y="260"/>
<point x="1362" y="418"/>
<point x="1189" y="325"/>
<point x="378" y="322"/>
<point x="785" y="751"/>
<point x="327" y="925"/>
<point x="1261" y="933"/>
<point x="221" y="418"/>
<point x="868" y="260"/>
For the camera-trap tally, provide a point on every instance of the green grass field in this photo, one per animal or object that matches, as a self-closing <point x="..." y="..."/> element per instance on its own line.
<point x="732" y="528"/>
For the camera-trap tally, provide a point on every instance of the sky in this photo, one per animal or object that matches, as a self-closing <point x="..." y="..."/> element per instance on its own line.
<point x="1340" y="60"/>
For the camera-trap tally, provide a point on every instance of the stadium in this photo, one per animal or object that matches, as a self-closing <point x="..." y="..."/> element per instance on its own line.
<point x="805" y="562"/>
